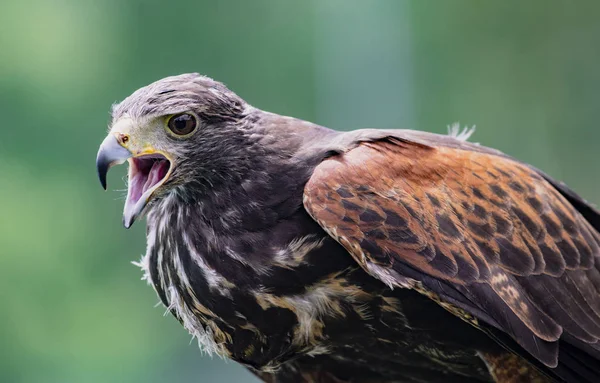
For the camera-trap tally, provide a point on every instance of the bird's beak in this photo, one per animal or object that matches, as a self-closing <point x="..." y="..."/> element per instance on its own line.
<point x="148" y="170"/>
<point x="110" y="153"/>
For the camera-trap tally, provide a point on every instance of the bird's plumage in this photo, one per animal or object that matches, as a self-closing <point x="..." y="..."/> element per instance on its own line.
<point x="311" y="255"/>
<point x="500" y="242"/>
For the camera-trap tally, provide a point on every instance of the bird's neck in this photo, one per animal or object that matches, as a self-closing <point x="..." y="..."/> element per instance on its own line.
<point x="234" y="222"/>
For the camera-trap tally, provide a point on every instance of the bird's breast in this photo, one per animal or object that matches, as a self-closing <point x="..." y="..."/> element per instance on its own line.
<point x="257" y="298"/>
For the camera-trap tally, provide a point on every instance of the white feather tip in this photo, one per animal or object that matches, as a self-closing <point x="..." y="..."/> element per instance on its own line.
<point x="454" y="130"/>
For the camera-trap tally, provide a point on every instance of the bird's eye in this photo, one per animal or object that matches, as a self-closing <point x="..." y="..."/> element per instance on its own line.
<point x="182" y="124"/>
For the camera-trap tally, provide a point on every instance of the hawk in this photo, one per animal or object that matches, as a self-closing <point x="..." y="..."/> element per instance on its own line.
<point x="312" y="255"/>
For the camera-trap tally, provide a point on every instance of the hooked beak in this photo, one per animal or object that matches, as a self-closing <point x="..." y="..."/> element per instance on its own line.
<point x="148" y="170"/>
<point x="111" y="153"/>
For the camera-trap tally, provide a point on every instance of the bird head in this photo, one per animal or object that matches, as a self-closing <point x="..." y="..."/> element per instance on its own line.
<point x="177" y="131"/>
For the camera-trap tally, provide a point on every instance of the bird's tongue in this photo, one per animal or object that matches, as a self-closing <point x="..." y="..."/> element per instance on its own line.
<point x="157" y="173"/>
<point x="145" y="173"/>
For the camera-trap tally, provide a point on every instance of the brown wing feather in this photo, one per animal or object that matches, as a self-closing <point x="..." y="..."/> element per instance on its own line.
<point x="493" y="228"/>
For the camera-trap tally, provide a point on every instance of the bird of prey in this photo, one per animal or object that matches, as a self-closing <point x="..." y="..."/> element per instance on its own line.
<point x="312" y="255"/>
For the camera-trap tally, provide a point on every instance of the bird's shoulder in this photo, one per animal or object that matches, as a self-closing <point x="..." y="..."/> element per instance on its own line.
<point x="472" y="227"/>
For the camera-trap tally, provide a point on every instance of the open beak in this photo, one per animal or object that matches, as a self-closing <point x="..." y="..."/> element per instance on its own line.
<point x="148" y="170"/>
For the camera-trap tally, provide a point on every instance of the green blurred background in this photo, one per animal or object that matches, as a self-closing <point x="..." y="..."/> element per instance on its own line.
<point x="73" y="308"/>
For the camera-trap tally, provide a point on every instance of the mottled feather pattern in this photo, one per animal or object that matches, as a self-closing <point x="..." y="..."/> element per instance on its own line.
<point x="311" y="302"/>
<point x="471" y="219"/>
<point x="509" y="368"/>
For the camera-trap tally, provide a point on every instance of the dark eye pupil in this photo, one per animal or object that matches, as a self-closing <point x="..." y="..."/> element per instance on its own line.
<point x="182" y="124"/>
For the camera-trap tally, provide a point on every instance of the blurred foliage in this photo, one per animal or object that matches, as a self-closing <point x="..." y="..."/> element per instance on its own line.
<point x="73" y="308"/>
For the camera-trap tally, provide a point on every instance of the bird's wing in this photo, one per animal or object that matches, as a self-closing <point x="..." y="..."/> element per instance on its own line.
<point x="489" y="238"/>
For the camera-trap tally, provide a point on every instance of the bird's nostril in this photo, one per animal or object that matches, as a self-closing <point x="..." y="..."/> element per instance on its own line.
<point x="123" y="138"/>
